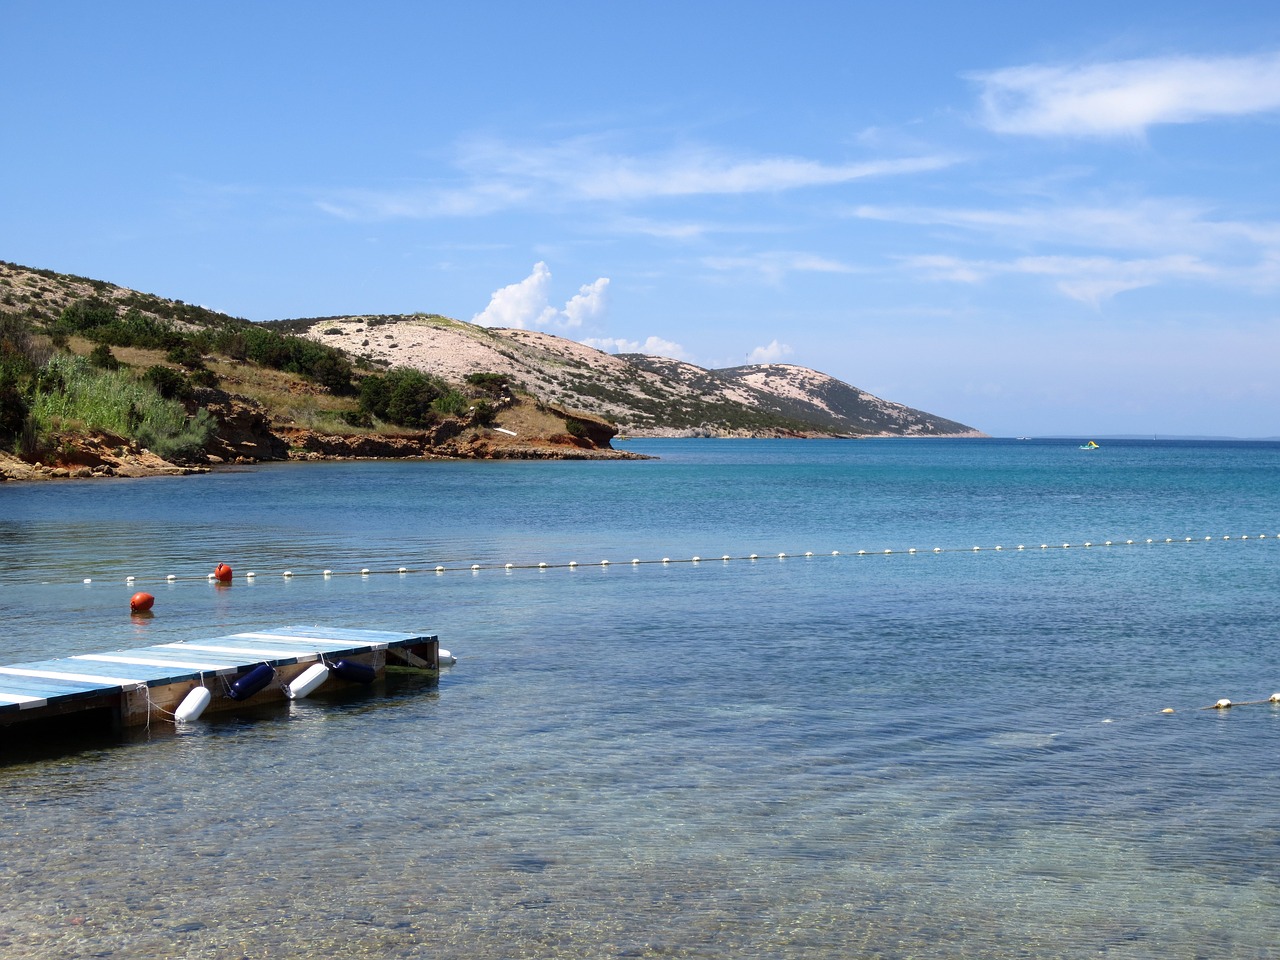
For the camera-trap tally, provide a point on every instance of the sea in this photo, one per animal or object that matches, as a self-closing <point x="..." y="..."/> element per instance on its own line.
<point x="889" y="698"/>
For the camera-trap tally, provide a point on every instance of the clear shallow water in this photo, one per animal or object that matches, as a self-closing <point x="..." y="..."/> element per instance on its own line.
<point x="943" y="755"/>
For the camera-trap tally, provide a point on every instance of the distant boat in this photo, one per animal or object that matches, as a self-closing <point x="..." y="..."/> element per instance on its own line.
<point x="1089" y="446"/>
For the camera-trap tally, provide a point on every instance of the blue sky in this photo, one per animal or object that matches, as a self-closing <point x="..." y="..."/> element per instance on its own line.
<point x="1036" y="218"/>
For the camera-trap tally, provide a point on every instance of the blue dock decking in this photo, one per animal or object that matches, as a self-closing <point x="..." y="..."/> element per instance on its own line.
<point x="157" y="676"/>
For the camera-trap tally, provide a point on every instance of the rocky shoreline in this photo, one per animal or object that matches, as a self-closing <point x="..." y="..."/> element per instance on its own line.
<point x="246" y="434"/>
<point x="92" y="464"/>
<point x="103" y="457"/>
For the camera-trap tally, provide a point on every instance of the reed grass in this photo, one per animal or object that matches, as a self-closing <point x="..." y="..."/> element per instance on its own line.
<point x="72" y="395"/>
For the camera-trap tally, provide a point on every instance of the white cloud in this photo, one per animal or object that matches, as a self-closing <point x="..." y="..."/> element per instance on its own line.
<point x="588" y="304"/>
<point x="1165" y="241"/>
<point x="1148" y="225"/>
<point x="495" y="175"/>
<point x="663" y="230"/>
<point x="423" y="202"/>
<point x="1126" y="97"/>
<point x="954" y="269"/>
<point x="774" y="352"/>
<point x="704" y="172"/>
<point x="1090" y="280"/>
<point x="520" y="305"/>
<point x="773" y="266"/>
<point x="526" y="304"/>
<point x="653" y="346"/>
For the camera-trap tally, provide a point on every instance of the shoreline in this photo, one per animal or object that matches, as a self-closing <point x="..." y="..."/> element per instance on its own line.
<point x="108" y="464"/>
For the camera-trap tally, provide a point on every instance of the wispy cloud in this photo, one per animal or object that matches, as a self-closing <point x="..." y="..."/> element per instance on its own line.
<point x="1149" y="225"/>
<point x="526" y="304"/>
<point x="424" y="201"/>
<point x="697" y="172"/>
<point x="1125" y="98"/>
<point x="494" y="175"/>
<point x="1090" y="280"/>
<point x="773" y="266"/>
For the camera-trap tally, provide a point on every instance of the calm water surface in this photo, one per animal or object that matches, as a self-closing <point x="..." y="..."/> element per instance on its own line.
<point x="953" y="754"/>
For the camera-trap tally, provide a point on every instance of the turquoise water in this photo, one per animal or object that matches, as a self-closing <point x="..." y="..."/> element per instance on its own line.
<point x="952" y="754"/>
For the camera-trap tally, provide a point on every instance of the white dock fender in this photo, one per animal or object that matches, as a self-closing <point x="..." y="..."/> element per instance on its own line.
<point x="447" y="659"/>
<point x="193" y="704"/>
<point x="307" y="681"/>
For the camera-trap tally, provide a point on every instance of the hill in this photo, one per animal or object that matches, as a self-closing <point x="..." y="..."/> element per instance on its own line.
<point x="642" y="395"/>
<point x="97" y="379"/>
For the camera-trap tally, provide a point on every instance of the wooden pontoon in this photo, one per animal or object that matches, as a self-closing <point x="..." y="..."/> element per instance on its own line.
<point x="129" y="688"/>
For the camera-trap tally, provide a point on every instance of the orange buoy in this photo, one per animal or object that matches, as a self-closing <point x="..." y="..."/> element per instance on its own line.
<point x="222" y="573"/>
<point x="141" y="602"/>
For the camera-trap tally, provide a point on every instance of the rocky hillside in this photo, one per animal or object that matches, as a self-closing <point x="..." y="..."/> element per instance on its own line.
<point x="98" y="380"/>
<point x="296" y="388"/>
<point x="643" y="395"/>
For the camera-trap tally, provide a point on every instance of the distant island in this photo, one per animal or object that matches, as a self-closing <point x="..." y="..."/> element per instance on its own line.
<point x="101" y="380"/>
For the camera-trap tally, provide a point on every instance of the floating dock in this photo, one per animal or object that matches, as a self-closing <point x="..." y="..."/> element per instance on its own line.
<point x="131" y="688"/>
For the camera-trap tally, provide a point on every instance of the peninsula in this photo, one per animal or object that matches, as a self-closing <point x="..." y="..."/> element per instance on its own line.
<point x="100" y="380"/>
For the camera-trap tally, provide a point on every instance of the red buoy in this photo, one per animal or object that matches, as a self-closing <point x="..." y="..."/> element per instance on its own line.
<point x="222" y="573"/>
<point x="141" y="602"/>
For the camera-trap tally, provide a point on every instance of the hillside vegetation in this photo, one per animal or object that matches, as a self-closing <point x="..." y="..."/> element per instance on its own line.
<point x="642" y="395"/>
<point x="96" y="379"/>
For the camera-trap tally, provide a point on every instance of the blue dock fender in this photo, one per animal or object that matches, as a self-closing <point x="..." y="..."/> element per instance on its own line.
<point x="252" y="682"/>
<point x="359" y="672"/>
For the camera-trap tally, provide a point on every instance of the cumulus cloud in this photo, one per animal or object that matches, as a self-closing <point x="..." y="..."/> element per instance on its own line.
<point x="774" y="352"/>
<point x="1124" y="98"/>
<point x="588" y="304"/>
<point x="526" y="304"/>
<point x="653" y="346"/>
<point x="520" y="305"/>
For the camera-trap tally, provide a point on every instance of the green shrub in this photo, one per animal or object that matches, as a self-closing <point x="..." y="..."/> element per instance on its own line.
<point x="102" y="358"/>
<point x="451" y="404"/>
<point x="486" y="413"/>
<point x="203" y="377"/>
<point x="494" y="384"/>
<point x="402" y="396"/>
<point x="167" y="382"/>
<point x="330" y="369"/>
<point x="85" y="316"/>
<point x="171" y="434"/>
<point x="315" y="361"/>
<point x="69" y="391"/>
<point x="13" y="409"/>
<point x="228" y="340"/>
<point x="17" y="350"/>
<point x="97" y="319"/>
<point x="187" y="355"/>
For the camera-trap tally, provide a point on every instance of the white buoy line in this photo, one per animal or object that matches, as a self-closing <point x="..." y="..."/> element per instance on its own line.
<point x="475" y="568"/>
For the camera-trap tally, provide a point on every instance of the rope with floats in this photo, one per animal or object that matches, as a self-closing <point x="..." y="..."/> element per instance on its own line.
<point x="223" y="577"/>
